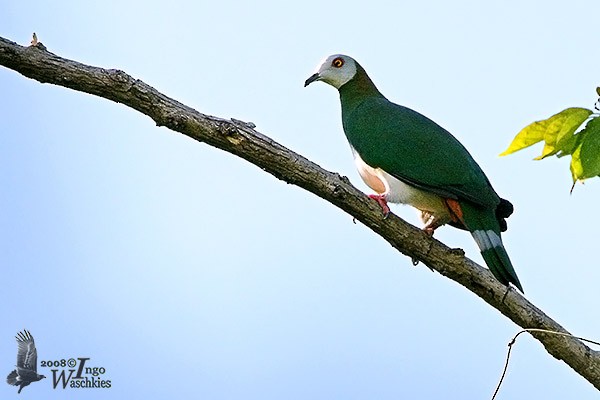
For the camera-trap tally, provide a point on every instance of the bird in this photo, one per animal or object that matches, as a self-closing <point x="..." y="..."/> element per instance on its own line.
<point x="407" y="158"/>
<point x="26" y="369"/>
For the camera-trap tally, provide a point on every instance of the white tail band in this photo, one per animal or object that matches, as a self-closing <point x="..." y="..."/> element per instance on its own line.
<point x="487" y="240"/>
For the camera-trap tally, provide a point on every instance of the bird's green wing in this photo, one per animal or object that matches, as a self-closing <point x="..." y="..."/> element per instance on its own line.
<point x="416" y="150"/>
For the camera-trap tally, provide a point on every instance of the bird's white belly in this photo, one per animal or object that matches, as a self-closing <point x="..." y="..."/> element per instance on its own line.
<point x="431" y="205"/>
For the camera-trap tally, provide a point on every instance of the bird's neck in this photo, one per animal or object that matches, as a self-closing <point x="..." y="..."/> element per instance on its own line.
<point x="357" y="89"/>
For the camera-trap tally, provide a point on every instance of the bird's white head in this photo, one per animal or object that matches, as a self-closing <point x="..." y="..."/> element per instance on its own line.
<point x="336" y="70"/>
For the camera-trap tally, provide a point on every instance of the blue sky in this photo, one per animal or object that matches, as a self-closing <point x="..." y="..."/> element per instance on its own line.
<point x="184" y="271"/>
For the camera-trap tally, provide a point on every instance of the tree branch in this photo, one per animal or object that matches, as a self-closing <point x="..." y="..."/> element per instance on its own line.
<point x="241" y="139"/>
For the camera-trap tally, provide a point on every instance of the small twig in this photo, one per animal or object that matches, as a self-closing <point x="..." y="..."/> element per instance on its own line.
<point x="514" y="339"/>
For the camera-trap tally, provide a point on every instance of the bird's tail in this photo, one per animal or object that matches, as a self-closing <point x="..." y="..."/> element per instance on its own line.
<point x="485" y="229"/>
<point x="11" y="379"/>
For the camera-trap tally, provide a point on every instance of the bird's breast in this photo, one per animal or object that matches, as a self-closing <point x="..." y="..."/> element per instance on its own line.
<point x="371" y="176"/>
<point x="397" y="191"/>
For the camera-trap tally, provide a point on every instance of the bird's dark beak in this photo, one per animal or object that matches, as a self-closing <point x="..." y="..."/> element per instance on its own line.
<point x="313" y="77"/>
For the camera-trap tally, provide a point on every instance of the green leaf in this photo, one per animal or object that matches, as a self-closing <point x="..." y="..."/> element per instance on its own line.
<point x="528" y="136"/>
<point x="556" y="131"/>
<point x="559" y="135"/>
<point x="590" y="150"/>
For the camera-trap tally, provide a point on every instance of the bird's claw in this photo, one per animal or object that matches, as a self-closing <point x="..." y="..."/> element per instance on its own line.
<point x="380" y="199"/>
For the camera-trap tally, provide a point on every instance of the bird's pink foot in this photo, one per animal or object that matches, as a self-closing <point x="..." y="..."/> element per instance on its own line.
<point x="380" y="198"/>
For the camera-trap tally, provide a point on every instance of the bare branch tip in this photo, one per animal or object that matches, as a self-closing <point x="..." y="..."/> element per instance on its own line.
<point x="37" y="44"/>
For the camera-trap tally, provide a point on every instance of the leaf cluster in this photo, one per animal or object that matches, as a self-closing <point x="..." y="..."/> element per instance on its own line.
<point x="572" y="132"/>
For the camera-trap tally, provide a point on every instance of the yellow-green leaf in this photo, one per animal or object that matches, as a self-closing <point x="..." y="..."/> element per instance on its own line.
<point x="528" y="136"/>
<point x="576" y="168"/>
<point x="565" y="127"/>
<point x="556" y="131"/>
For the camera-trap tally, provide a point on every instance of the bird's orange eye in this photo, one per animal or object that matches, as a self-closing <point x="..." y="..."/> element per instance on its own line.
<point x="338" y="62"/>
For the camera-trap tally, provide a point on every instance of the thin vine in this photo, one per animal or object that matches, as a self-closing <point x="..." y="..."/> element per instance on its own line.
<point x="530" y="330"/>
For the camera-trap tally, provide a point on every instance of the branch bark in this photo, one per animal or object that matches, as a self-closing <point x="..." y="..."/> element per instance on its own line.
<point x="243" y="140"/>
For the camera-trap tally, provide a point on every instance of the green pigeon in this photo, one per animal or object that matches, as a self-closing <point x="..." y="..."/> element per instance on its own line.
<point x="407" y="158"/>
